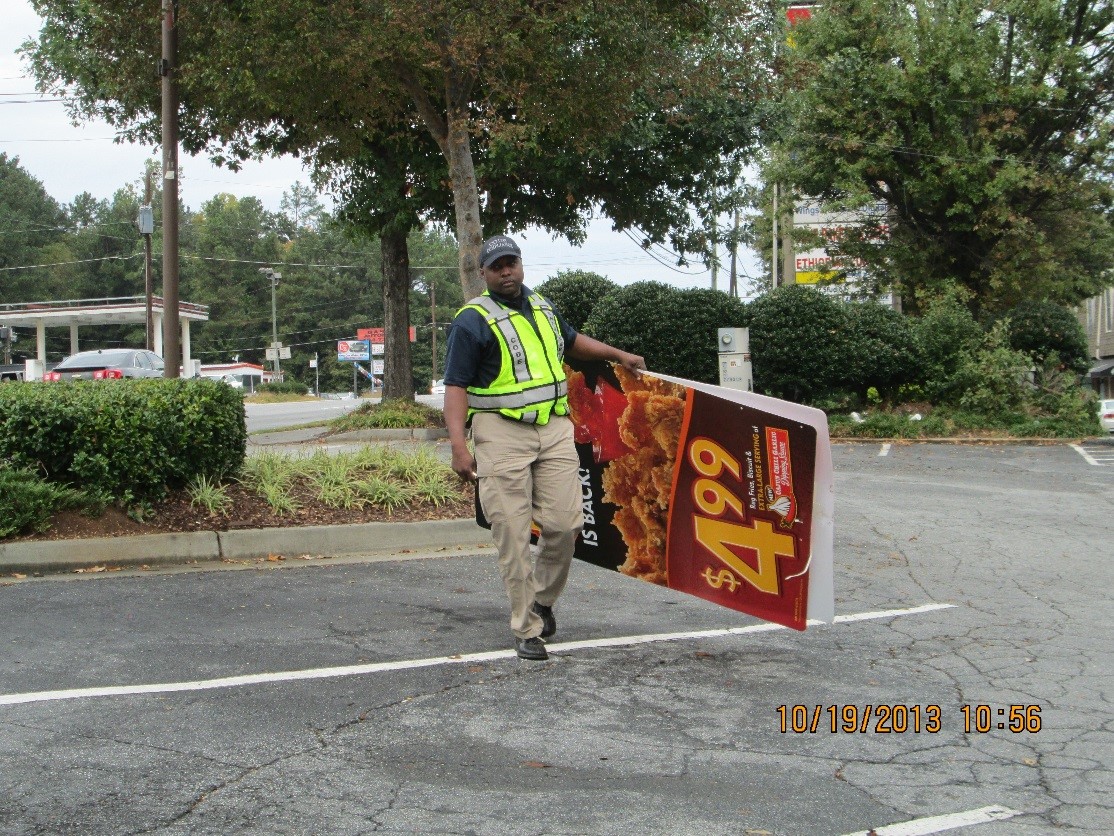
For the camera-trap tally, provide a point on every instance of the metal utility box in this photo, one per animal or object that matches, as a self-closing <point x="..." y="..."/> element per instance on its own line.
<point x="734" y="359"/>
<point x="146" y="220"/>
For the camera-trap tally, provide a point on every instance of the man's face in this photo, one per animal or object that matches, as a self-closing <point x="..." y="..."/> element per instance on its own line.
<point x="505" y="276"/>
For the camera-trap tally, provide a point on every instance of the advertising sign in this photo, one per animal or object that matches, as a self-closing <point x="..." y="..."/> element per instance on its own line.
<point x="819" y="264"/>
<point x="350" y="351"/>
<point x="720" y="493"/>
<point x="377" y="336"/>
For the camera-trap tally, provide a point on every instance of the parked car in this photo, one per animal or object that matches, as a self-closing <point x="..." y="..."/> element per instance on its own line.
<point x="438" y="388"/>
<point x="1106" y="415"/>
<point x="107" y="364"/>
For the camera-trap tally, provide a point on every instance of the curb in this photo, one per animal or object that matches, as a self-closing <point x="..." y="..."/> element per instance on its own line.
<point x="198" y="546"/>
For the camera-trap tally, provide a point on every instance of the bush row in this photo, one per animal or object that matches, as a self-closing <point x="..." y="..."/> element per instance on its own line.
<point x="127" y="440"/>
<point x="808" y="347"/>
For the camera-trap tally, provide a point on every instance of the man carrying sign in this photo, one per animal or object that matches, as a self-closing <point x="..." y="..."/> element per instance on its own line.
<point x="504" y="378"/>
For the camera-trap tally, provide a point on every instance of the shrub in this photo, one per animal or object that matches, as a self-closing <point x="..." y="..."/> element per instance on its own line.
<point x="947" y="334"/>
<point x="883" y="352"/>
<point x="394" y="413"/>
<point x="129" y="439"/>
<point x="27" y="501"/>
<point x="800" y="344"/>
<point x="675" y="330"/>
<point x="283" y="387"/>
<point x="1046" y="331"/>
<point x="575" y="294"/>
<point x="991" y="381"/>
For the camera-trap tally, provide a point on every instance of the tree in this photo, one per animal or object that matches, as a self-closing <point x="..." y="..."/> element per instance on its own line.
<point x="31" y="221"/>
<point x="530" y="75"/>
<point x="983" y="126"/>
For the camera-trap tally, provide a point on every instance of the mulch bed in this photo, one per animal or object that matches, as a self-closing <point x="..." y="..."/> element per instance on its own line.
<point x="248" y="510"/>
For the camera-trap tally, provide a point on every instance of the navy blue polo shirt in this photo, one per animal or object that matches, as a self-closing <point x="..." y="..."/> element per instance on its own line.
<point x="472" y="356"/>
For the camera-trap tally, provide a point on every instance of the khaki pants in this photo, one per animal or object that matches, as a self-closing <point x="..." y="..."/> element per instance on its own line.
<point x="529" y="472"/>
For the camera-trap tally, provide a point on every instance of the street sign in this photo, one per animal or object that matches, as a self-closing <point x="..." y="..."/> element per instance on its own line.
<point x="278" y="353"/>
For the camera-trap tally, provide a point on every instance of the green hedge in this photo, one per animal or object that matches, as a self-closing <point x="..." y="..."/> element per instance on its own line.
<point x="675" y="330"/>
<point x="129" y="439"/>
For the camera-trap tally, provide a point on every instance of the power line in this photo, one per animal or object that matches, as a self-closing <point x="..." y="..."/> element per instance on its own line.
<point x="79" y="261"/>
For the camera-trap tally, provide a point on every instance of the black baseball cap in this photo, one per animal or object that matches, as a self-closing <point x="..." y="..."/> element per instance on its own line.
<point x="495" y="248"/>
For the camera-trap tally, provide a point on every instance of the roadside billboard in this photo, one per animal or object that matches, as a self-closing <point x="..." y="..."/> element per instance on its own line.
<point x="352" y="351"/>
<point x="824" y="263"/>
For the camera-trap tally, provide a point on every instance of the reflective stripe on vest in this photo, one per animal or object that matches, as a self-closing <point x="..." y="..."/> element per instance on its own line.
<point x="531" y="381"/>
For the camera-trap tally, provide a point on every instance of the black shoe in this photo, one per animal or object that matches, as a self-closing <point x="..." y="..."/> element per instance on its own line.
<point x="549" y="622"/>
<point x="532" y="649"/>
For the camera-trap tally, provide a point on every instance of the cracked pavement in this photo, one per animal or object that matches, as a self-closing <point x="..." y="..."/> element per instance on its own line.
<point x="675" y="737"/>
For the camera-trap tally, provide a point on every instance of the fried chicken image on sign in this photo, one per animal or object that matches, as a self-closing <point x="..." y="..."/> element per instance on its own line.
<point x="640" y="481"/>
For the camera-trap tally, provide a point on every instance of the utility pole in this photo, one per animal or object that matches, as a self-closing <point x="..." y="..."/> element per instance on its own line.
<point x="146" y="227"/>
<point x="433" y="321"/>
<point x="773" y="256"/>
<point x="734" y="289"/>
<point x="275" y="344"/>
<point x="171" y="346"/>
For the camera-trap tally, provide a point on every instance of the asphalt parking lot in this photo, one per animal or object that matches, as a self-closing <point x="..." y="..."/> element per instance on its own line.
<point x="972" y="594"/>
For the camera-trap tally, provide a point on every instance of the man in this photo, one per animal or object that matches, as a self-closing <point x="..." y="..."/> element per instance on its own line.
<point x="504" y="378"/>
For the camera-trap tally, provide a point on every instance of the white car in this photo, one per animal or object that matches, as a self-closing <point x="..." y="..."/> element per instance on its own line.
<point x="1106" y="415"/>
<point x="438" y="388"/>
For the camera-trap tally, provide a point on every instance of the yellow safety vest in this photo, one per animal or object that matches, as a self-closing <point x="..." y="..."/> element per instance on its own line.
<point x="531" y="385"/>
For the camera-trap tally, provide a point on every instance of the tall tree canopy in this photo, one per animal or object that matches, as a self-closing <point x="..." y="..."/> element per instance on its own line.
<point x="983" y="125"/>
<point x="290" y="75"/>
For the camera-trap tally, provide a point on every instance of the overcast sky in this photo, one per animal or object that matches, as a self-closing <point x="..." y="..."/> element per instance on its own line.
<point x="69" y="160"/>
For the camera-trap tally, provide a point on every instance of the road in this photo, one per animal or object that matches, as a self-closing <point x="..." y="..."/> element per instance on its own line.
<point x="383" y="697"/>
<point x="269" y="416"/>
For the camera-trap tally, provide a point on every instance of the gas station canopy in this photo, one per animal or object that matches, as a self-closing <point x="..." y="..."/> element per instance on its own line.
<point x="113" y="311"/>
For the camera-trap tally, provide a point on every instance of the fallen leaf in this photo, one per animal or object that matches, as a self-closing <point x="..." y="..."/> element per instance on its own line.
<point x="275" y="557"/>
<point x="536" y="765"/>
<point x="475" y="668"/>
<point x="700" y="654"/>
<point x="1029" y="761"/>
<point x="18" y="575"/>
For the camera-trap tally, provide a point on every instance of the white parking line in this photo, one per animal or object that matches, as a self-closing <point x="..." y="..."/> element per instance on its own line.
<point x="885" y="451"/>
<point x="1087" y="456"/>
<point x="938" y="824"/>
<point x="409" y="664"/>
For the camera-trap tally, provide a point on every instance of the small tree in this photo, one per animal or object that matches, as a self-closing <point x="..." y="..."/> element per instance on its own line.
<point x="576" y="293"/>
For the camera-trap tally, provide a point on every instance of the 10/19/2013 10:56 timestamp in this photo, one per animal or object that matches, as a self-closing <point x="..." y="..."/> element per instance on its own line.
<point x="898" y="718"/>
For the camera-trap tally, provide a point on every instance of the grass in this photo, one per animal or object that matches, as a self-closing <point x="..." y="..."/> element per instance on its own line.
<point x="277" y="397"/>
<point x="390" y="414"/>
<point x="949" y="423"/>
<point x="210" y="495"/>
<point x="379" y="477"/>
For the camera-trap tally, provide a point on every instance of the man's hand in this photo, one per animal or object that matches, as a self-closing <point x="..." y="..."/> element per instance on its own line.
<point x="456" y="412"/>
<point x="632" y="362"/>
<point x="464" y="464"/>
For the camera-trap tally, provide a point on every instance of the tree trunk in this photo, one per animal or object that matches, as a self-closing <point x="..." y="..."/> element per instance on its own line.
<point x="466" y="201"/>
<point x="397" y="378"/>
